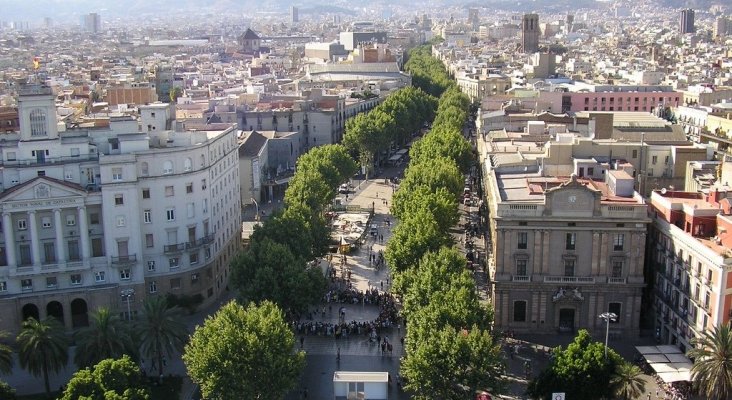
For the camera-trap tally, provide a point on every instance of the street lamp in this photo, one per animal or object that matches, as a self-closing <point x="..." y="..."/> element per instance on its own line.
<point x="127" y="293"/>
<point x="256" y="216"/>
<point x="607" y="316"/>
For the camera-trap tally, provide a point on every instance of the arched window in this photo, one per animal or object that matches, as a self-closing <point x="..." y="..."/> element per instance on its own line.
<point x="38" y="122"/>
<point x="203" y="161"/>
<point x="167" y="167"/>
<point x="187" y="164"/>
<point x="144" y="169"/>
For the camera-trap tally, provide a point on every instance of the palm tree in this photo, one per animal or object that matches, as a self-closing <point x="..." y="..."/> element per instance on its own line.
<point x="107" y="337"/>
<point x="712" y="370"/>
<point x="43" y="347"/>
<point x="161" y="330"/>
<point x="628" y="381"/>
<point x="6" y="356"/>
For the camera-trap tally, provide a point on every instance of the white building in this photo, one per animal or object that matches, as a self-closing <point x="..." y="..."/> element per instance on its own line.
<point x="88" y="214"/>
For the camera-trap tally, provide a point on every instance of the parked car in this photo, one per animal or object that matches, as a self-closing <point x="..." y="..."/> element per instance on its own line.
<point x="343" y="189"/>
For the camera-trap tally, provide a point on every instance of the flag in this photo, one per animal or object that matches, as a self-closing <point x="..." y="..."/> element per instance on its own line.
<point x="36" y="62"/>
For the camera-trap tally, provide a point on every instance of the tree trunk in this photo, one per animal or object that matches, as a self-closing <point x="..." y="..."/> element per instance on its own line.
<point x="45" y="376"/>
<point x="160" y="359"/>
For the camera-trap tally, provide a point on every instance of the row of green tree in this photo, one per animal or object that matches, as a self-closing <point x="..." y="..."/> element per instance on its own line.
<point x="391" y="123"/>
<point x="278" y="266"/>
<point x="43" y="346"/>
<point x="450" y="352"/>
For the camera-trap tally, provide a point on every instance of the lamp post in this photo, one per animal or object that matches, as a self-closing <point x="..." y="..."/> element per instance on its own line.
<point x="256" y="216"/>
<point x="127" y="293"/>
<point x="608" y="316"/>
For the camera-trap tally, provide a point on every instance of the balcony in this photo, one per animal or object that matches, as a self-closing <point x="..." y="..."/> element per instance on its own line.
<point x="124" y="260"/>
<point x="570" y="279"/>
<point x="521" y="278"/>
<point x="174" y="248"/>
<point x="200" y="242"/>
<point x="49" y="160"/>
<point x="616" y="281"/>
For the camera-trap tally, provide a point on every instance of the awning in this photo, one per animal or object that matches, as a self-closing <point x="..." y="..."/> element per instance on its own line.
<point x="670" y="364"/>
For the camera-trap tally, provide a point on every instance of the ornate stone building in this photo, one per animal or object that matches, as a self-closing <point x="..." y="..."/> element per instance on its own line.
<point x="565" y="250"/>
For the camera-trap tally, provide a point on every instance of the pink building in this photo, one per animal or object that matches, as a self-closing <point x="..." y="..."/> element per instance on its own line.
<point x="585" y="97"/>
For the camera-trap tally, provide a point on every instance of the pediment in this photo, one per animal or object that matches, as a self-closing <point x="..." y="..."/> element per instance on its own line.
<point x="42" y="189"/>
<point x="573" y="199"/>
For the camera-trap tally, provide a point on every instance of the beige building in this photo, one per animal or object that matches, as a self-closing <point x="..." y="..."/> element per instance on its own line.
<point x="565" y="250"/>
<point x="480" y="85"/>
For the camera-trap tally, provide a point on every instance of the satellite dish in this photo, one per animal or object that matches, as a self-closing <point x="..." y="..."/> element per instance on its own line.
<point x="663" y="191"/>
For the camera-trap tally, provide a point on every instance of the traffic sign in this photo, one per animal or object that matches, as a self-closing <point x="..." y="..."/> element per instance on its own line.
<point x="558" y="396"/>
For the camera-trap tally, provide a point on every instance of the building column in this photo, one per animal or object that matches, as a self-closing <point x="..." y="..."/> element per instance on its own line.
<point x="9" y="234"/>
<point x="595" y="252"/>
<point x="60" y="250"/>
<point x="604" y="248"/>
<point x="35" y="242"/>
<point x="545" y="267"/>
<point x="536" y="254"/>
<point x="84" y="234"/>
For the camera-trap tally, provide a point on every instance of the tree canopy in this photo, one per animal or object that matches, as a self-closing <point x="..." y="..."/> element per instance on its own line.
<point x="244" y="353"/>
<point x="580" y="371"/>
<point x="712" y="370"/>
<point x="110" y="379"/>
<point x="44" y="348"/>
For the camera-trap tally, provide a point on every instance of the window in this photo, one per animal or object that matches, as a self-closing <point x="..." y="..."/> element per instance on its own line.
<point x="568" y="267"/>
<point x="22" y="225"/>
<point x="519" y="311"/>
<point x="144" y="169"/>
<point x="76" y="279"/>
<point x="46" y="222"/>
<point x="523" y="240"/>
<point x="4" y="285"/>
<point x="618" y="242"/>
<point x="635" y="152"/>
<point x="169" y="191"/>
<point x="38" y="122"/>
<point x="203" y="184"/>
<point x="116" y="174"/>
<point x="193" y="258"/>
<point x="190" y="210"/>
<point x="207" y="252"/>
<point x="11" y="156"/>
<point x="147" y="216"/>
<point x="41" y="173"/>
<point x="51" y="282"/>
<point x="175" y="283"/>
<point x="167" y="167"/>
<point x="710" y="273"/>
<point x="187" y="164"/>
<point x="194" y="278"/>
<point x="70" y="220"/>
<point x="119" y="200"/>
<point x="74" y="152"/>
<point x="99" y="276"/>
<point x="189" y="187"/>
<point x="26" y="284"/>
<point x="570" y="241"/>
<point x="615" y="308"/>
<point x="590" y="171"/>
<point x="120" y="220"/>
<point x="97" y="247"/>
<point x="124" y="274"/>
<point x="173" y="262"/>
<point x="654" y="160"/>
<point x="151" y="266"/>
<point x="153" y="287"/>
<point x="170" y="213"/>
<point x="617" y="269"/>
<point x="149" y="240"/>
<point x="205" y="206"/>
<point x="145" y="193"/>
<point x="521" y="267"/>
<point x="94" y="218"/>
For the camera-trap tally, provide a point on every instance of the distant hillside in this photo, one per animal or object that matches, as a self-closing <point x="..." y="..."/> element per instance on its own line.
<point x="70" y="10"/>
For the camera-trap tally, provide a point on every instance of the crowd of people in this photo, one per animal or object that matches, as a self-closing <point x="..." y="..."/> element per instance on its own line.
<point x="386" y="319"/>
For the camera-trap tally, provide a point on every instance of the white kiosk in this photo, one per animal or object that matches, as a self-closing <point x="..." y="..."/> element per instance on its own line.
<point x="349" y="385"/>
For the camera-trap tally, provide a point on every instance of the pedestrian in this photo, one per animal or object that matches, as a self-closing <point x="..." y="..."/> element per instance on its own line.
<point x="382" y="285"/>
<point x="338" y="354"/>
<point x="305" y="393"/>
<point x="302" y="341"/>
<point x="649" y="396"/>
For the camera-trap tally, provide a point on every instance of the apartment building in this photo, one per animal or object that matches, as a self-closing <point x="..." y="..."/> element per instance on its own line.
<point x="106" y="217"/>
<point x="689" y="249"/>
